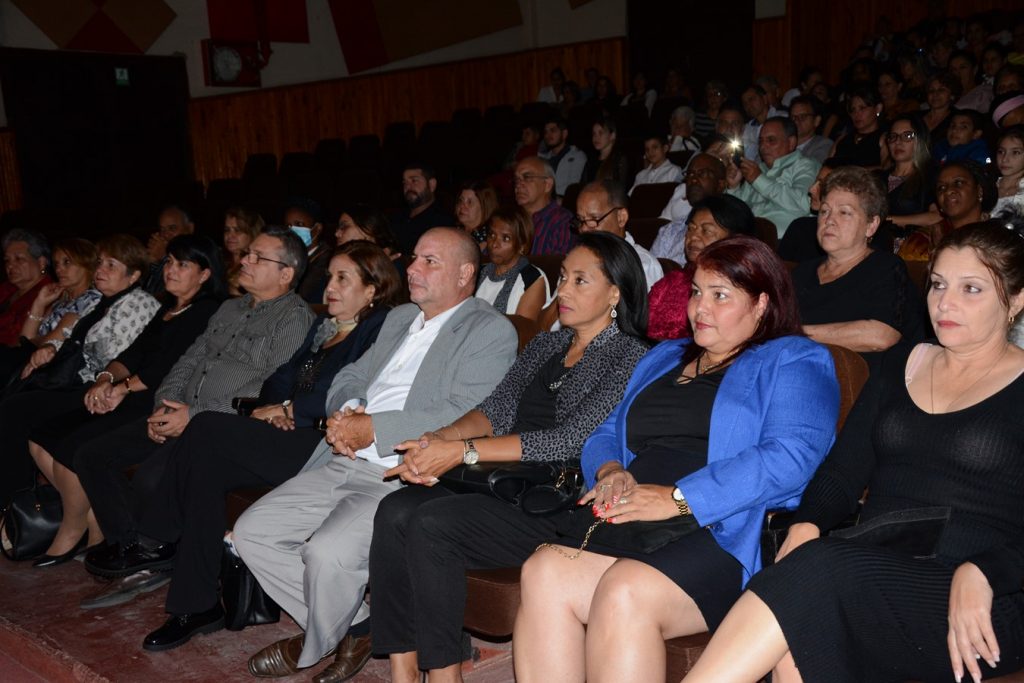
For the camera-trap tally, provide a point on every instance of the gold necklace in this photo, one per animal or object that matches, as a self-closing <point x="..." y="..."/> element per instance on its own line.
<point x="931" y="377"/>
<point x="686" y="379"/>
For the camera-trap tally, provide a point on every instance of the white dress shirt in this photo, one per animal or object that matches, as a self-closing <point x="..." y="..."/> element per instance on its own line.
<point x="390" y="388"/>
<point x="666" y="173"/>
<point x="678" y="208"/>
<point x="652" y="269"/>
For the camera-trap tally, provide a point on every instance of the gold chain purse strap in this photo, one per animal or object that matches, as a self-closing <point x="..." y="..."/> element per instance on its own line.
<point x="579" y="551"/>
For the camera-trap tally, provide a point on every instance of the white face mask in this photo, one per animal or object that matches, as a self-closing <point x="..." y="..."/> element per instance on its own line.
<point x="305" y="234"/>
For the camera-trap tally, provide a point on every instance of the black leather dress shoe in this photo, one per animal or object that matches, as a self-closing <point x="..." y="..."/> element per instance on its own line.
<point x="54" y="560"/>
<point x="123" y="561"/>
<point x="179" y="629"/>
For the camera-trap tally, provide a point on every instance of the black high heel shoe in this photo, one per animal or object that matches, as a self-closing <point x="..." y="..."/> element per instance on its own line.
<point x="54" y="560"/>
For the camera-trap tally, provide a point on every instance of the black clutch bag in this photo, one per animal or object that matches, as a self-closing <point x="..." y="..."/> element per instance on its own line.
<point x="245" y="603"/>
<point x="914" y="532"/>
<point x="537" y="488"/>
<point x="31" y="521"/>
<point x="579" y="526"/>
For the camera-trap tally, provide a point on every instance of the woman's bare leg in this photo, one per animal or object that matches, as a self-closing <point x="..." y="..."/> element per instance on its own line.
<point x="549" y="639"/>
<point x="404" y="668"/>
<point x="76" y="504"/>
<point x="638" y="606"/>
<point x="449" y="674"/>
<point x="747" y="645"/>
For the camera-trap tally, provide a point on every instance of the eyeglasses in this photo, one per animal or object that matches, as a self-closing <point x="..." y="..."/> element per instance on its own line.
<point x="905" y="136"/>
<point x="528" y="178"/>
<point x="579" y="221"/>
<point x="251" y="256"/>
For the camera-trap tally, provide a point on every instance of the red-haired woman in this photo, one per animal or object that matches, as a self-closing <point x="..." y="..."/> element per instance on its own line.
<point x="717" y="430"/>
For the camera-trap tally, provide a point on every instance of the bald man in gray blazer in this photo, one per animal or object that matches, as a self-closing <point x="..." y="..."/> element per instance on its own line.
<point x="308" y="541"/>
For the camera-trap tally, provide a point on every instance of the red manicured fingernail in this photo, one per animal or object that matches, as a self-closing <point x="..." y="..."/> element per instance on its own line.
<point x="607" y="506"/>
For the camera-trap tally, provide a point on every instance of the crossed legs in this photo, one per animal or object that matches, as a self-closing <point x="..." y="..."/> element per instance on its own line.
<point x="78" y="517"/>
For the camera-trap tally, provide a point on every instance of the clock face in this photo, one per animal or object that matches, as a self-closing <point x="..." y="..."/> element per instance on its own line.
<point x="227" y="64"/>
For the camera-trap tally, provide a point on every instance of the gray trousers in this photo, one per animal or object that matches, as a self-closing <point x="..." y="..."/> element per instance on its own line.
<point x="308" y="544"/>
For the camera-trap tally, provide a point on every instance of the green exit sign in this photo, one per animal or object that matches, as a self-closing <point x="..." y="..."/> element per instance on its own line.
<point x="121" y="76"/>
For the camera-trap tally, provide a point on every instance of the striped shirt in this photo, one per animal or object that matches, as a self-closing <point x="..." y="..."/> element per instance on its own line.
<point x="242" y="345"/>
<point x="551" y="232"/>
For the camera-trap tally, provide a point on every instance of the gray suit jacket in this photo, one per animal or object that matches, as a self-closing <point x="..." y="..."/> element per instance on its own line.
<point x="471" y="354"/>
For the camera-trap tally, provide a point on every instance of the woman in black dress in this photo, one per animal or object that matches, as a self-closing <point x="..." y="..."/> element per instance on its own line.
<point x="936" y="437"/>
<point x="856" y="296"/>
<point x="861" y="144"/>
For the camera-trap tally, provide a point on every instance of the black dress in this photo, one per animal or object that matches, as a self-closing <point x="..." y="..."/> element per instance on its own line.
<point x="877" y="288"/>
<point x="668" y="426"/>
<point x="861" y="150"/>
<point x="851" y="611"/>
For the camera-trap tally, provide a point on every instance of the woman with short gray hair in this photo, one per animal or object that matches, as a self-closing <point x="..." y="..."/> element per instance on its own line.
<point x="26" y="260"/>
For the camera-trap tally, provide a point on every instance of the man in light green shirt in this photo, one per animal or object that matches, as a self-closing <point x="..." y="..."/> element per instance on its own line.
<point x="776" y="187"/>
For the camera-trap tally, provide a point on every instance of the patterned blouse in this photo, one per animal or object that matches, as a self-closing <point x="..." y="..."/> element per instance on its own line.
<point x="589" y="392"/>
<point x="116" y="330"/>
<point x="63" y="306"/>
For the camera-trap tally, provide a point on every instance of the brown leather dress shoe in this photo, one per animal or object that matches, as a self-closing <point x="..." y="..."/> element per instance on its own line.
<point x="277" y="659"/>
<point x="353" y="653"/>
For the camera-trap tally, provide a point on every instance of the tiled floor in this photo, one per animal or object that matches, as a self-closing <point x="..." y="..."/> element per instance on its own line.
<point x="44" y="636"/>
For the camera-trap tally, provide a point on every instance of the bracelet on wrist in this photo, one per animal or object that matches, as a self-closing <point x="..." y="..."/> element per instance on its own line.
<point x="127" y="384"/>
<point x="37" y="318"/>
<point x="107" y="373"/>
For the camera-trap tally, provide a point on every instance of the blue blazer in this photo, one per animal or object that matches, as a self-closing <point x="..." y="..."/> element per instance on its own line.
<point x="772" y="422"/>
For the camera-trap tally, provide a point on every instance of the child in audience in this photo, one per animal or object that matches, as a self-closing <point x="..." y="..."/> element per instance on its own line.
<point x="1010" y="160"/>
<point x="963" y="139"/>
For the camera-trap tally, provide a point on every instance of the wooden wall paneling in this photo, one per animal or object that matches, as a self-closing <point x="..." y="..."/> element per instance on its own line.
<point x="226" y="129"/>
<point x="10" y="177"/>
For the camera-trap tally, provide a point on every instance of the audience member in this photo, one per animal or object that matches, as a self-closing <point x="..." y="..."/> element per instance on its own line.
<point x="993" y="58"/>
<point x="807" y="121"/>
<point x="772" y="91"/>
<point x="890" y="93"/>
<point x="809" y="77"/>
<point x="935" y="440"/>
<point x="705" y="177"/>
<point x="589" y="90"/>
<point x="605" y="96"/>
<point x="965" y="194"/>
<point x="758" y="110"/>
<point x="308" y="541"/>
<point x="473" y="208"/>
<point x="529" y="143"/>
<point x="603" y="206"/>
<point x="535" y="184"/>
<point x="104" y="332"/>
<point x="123" y="391"/>
<point x="681" y="130"/>
<point x="800" y="243"/>
<point x="1009" y="79"/>
<point x="241" y="226"/>
<point x="699" y="437"/>
<point x="943" y="90"/>
<point x="610" y="163"/>
<point x="561" y="387"/>
<point x="915" y="76"/>
<point x="674" y="86"/>
<point x="509" y="282"/>
<point x="363" y="222"/>
<point x="856" y="296"/>
<point x="246" y="339"/>
<point x="552" y="93"/>
<point x="171" y="222"/>
<point x="963" y="139"/>
<point x="418" y="186"/>
<point x="910" y="181"/>
<point x="730" y="123"/>
<point x="304" y="218"/>
<point x="1010" y="162"/>
<point x="861" y="143"/>
<point x="713" y="218"/>
<point x="567" y="160"/>
<point x="716" y="93"/>
<point x="640" y="93"/>
<point x="775" y="188"/>
<point x="659" y="169"/>
<point x="977" y="95"/>
<point x="26" y="260"/>
<point x="1008" y="110"/>
<point x="219" y="452"/>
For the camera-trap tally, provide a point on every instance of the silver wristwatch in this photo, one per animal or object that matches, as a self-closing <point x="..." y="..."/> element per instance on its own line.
<point x="469" y="453"/>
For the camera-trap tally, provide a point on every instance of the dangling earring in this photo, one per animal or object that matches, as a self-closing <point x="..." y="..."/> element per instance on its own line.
<point x="1013" y="318"/>
<point x="614" y="313"/>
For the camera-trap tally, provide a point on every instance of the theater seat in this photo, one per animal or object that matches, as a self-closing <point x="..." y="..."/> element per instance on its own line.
<point x="526" y="329"/>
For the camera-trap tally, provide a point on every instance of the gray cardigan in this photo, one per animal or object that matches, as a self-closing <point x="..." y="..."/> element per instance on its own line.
<point x="467" y="360"/>
<point x="591" y="389"/>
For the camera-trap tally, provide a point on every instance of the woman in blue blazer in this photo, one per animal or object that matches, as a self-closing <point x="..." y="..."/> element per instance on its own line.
<point x="719" y="430"/>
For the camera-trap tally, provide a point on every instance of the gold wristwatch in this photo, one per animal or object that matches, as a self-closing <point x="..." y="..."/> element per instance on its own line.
<point x="680" y="501"/>
<point x="469" y="453"/>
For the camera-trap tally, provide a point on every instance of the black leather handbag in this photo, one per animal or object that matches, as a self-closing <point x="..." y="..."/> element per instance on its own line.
<point x="537" y="488"/>
<point x="245" y="603"/>
<point x="31" y="521"/>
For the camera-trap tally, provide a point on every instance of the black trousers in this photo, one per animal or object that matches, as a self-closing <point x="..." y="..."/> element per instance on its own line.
<point x="424" y="540"/>
<point x="19" y="415"/>
<point x="217" y="453"/>
<point x="102" y="466"/>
